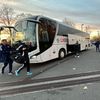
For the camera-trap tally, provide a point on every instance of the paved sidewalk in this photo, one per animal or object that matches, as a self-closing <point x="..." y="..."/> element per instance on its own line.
<point x="87" y="62"/>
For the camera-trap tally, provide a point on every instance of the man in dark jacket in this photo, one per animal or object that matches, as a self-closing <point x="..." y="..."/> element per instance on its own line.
<point x="97" y="43"/>
<point x="23" y="48"/>
<point x="77" y="49"/>
<point x="6" y="50"/>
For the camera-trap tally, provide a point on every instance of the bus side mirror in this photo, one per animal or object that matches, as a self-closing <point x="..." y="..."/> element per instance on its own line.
<point x="1" y="28"/>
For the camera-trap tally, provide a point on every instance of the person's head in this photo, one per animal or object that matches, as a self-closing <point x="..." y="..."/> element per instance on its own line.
<point x="9" y="42"/>
<point x="26" y="42"/>
<point x="76" y="42"/>
<point x="4" y="42"/>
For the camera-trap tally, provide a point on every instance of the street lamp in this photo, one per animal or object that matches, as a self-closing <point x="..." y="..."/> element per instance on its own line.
<point x="82" y="27"/>
<point x="98" y="33"/>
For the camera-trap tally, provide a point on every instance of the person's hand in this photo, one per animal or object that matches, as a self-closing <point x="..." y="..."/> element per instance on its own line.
<point x="24" y="49"/>
<point x="11" y="52"/>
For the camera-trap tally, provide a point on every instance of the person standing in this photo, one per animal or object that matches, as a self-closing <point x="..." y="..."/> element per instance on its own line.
<point x="77" y="49"/>
<point x="97" y="43"/>
<point x="6" y="50"/>
<point x="23" y="49"/>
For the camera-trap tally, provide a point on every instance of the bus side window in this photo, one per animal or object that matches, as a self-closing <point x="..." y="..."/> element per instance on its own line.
<point x="47" y="30"/>
<point x="40" y="32"/>
<point x="43" y="33"/>
<point x="51" y="28"/>
<point x="45" y="36"/>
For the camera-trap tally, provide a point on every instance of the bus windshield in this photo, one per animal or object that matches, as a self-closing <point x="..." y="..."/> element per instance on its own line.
<point x="26" y="31"/>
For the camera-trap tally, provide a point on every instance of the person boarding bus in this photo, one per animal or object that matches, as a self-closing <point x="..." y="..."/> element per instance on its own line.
<point x="23" y="49"/>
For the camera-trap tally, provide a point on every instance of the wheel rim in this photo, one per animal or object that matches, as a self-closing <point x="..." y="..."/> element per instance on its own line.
<point x="62" y="54"/>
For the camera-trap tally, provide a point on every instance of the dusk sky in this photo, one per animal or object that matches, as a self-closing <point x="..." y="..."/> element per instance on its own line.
<point x="79" y="11"/>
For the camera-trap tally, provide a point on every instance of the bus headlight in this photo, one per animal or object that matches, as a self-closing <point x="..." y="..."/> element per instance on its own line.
<point x="34" y="57"/>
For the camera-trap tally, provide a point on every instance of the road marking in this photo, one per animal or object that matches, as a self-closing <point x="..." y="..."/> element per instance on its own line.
<point x="38" y="91"/>
<point x="49" y="82"/>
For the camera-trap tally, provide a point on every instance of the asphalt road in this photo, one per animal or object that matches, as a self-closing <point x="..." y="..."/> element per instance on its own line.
<point x="45" y="85"/>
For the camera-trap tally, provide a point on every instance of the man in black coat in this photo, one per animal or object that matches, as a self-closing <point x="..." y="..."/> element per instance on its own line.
<point x="77" y="49"/>
<point x="97" y="43"/>
<point x="6" y="50"/>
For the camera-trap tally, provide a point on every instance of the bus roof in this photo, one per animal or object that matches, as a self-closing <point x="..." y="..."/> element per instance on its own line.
<point x="71" y="29"/>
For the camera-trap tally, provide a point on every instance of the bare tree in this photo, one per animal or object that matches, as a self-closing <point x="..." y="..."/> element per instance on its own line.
<point x="6" y="15"/>
<point x="68" y="22"/>
<point x="7" y="18"/>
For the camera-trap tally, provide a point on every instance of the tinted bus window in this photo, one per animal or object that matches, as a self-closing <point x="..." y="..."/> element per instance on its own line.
<point x="46" y="31"/>
<point x="63" y="30"/>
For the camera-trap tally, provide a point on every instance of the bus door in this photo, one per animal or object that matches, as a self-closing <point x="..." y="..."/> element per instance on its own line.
<point x="67" y="42"/>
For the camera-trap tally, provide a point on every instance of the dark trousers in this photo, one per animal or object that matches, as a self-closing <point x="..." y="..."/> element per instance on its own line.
<point x="97" y="49"/>
<point x="77" y="52"/>
<point x="6" y="63"/>
<point x="25" y="65"/>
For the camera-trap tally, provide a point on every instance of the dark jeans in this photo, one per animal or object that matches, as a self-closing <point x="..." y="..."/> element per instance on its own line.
<point x="7" y="62"/>
<point x="97" y="49"/>
<point x="26" y="64"/>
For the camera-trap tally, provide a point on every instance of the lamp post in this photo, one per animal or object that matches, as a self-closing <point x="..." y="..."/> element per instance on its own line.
<point x="82" y="27"/>
<point x="98" y="33"/>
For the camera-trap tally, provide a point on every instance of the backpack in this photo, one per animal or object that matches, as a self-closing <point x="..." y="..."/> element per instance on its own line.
<point x="17" y="54"/>
<point x="18" y="57"/>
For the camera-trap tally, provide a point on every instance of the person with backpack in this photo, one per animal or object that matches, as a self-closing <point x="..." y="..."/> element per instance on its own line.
<point x="23" y="48"/>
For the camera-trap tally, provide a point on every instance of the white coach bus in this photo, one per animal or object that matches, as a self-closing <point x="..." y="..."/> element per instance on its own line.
<point x="50" y="39"/>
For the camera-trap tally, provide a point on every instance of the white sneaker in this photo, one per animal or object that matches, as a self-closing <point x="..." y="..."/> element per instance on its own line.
<point x="75" y="56"/>
<point x="10" y="73"/>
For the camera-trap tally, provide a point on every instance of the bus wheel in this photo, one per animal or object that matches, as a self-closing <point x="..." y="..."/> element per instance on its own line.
<point x="62" y="54"/>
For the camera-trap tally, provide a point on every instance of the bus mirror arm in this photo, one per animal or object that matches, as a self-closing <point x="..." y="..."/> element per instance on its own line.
<point x="1" y="28"/>
<point x="9" y="27"/>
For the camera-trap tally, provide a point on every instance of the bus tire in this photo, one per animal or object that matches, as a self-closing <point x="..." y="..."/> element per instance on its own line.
<point x="62" y="54"/>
